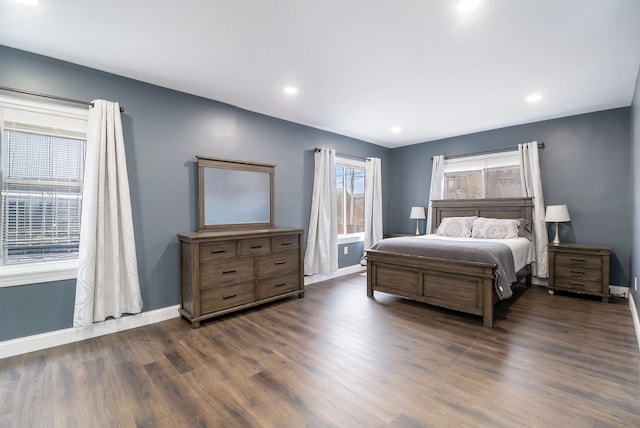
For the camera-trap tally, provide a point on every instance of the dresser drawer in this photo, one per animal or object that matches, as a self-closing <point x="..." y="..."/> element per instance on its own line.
<point x="278" y="284"/>
<point x="576" y="259"/>
<point x="284" y="261"/>
<point x="249" y="247"/>
<point x="285" y="242"/>
<point x="224" y="271"/>
<point x="578" y="284"/>
<point x="217" y="250"/>
<point x="217" y="298"/>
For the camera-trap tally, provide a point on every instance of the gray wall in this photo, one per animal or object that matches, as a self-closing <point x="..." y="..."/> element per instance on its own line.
<point x="584" y="165"/>
<point x="164" y="130"/>
<point x="634" y="161"/>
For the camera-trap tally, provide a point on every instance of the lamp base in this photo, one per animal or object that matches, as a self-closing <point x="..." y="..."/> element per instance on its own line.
<point x="417" y="227"/>
<point x="556" y="240"/>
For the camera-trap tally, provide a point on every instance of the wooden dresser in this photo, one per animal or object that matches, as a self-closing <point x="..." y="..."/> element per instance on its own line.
<point x="580" y="268"/>
<point x="227" y="271"/>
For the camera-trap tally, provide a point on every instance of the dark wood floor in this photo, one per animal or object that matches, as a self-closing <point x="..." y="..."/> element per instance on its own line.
<point x="338" y="358"/>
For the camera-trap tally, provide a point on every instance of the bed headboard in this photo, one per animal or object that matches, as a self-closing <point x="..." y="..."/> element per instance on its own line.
<point x="492" y="208"/>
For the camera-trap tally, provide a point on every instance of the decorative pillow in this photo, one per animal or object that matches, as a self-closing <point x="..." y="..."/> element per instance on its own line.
<point x="493" y="228"/>
<point x="456" y="227"/>
<point x="524" y="229"/>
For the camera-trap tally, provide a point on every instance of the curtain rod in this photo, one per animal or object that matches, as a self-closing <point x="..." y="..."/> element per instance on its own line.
<point x="53" y="97"/>
<point x="488" y="152"/>
<point x="317" y="149"/>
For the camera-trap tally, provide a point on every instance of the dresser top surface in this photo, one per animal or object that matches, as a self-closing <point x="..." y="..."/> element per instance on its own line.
<point x="234" y="234"/>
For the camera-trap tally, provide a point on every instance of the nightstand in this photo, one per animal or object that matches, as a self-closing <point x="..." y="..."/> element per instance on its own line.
<point x="580" y="268"/>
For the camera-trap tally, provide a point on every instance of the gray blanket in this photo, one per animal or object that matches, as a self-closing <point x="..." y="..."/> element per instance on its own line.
<point x="484" y="252"/>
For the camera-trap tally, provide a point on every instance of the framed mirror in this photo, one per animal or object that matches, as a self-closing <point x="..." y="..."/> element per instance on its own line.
<point x="234" y="194"/>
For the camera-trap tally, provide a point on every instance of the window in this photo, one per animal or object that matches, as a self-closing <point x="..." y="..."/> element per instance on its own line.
<point x="350" y="192"/>
<point x="495" y="175"/>
<point x="42" y="153"/>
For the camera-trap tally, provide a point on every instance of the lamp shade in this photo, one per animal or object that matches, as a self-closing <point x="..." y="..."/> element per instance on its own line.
<point x="417" y="213"/>
<point x="556" y="213"/>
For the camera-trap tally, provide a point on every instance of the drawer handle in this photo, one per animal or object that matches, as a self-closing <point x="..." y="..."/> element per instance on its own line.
<point x="230" y="296"/>
<point x="255" y="247"/>
<point x="280" y="285"/>
<point x="576" y="283"/>
<point x="577" y="271"/>
<point x="279" y="263"/>
<point x="229" y="271"/>
<point x="218" y="251"/>
<point x="577" y="260"/>
<point x="287" y="243"/>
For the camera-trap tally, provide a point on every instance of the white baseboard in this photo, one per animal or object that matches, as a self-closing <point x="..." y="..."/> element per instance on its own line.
<point x="37" y="342"/>
<point x="634" y="314"/>
<point x="616" y="290"/>
<point x="341" y="272"/>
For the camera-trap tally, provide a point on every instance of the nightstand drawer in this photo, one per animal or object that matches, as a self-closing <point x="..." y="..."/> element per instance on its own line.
<point x="578" y="284"/>
<point x="579" y="272"/>
<point x="586" y="260"/>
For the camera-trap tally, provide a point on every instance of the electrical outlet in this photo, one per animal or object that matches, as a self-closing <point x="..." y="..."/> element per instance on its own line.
<point x="346" y="249"/>
<point x="635" y="283"/>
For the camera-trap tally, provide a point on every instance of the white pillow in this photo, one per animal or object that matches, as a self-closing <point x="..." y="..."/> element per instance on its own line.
<point x="493" y="228"/>
<point x="456" y="227"/>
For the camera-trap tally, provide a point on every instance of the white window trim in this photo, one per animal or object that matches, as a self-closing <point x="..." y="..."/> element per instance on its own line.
<point x="349" y="238"/>
<point x="33" y="273"/>
<point x="74" y="119"/>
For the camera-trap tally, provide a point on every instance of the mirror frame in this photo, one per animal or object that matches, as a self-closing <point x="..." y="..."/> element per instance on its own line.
<point x="207" y="162"/>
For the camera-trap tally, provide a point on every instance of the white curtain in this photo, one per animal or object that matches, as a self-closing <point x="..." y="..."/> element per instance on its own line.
<point x="321" y="255"/>
<point x="532" y="187"/>
<point x="108" y="284"/>
<point x="372" y="202"/>
<point x="436" y="191"/>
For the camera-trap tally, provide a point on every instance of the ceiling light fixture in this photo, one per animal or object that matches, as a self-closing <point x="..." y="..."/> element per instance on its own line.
<point x="533" y="98"/>
<point x="396" y="129"/>
<point x="290" y="90"/>
<point x="27" y="2"/>
<point x="465" y="6"/>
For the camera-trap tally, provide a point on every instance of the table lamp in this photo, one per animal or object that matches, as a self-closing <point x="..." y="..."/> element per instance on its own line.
<point x="417" y="213"/>
<point x="556" y="214"/>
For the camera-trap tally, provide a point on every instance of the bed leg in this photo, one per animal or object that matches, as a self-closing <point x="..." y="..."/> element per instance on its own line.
<point x="369" y="279"/>
<point x="528" y="280"/>
<point x="487" y="304"/>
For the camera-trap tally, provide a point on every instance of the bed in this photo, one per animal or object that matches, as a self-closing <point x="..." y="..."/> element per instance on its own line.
<point x="468" y="286"/>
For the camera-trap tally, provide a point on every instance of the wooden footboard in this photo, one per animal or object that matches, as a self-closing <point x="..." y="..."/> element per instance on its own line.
<point x="461" y="286"/>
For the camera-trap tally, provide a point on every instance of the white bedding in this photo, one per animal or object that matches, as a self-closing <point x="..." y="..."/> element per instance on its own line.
<point x="520" y="247"/>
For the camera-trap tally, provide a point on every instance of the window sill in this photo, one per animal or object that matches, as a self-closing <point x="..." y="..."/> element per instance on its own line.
<point x="348" y="239"/>
<point x="32" y="273"/>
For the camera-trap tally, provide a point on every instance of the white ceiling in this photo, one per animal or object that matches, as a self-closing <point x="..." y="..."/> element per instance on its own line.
<point x="361" y="66"/>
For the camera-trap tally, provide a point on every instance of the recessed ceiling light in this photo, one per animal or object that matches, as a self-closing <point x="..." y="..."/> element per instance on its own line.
<point x="533" y="98"/>
<point x="27" y="2"/>
<point x="396" y="129"/>
<point x="465" y="6"/>
<point x="290" y="90"/>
